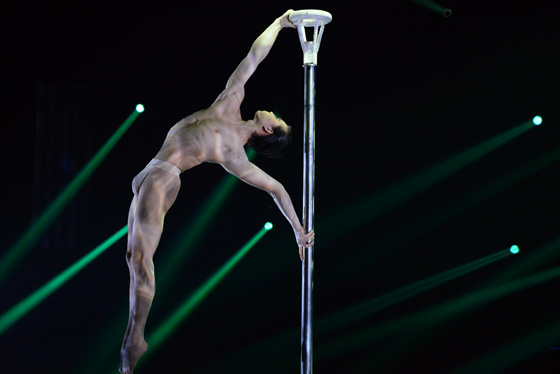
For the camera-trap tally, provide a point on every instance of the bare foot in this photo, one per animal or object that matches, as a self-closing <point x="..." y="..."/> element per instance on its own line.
<point x="130" y="354"/>
<point x="134" y="345"/>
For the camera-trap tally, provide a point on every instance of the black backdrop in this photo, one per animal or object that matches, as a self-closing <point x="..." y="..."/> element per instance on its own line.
<point x="399" y="88"/>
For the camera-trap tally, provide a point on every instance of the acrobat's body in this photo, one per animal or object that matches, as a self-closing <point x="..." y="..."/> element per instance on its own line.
<point x="217" y="134"/>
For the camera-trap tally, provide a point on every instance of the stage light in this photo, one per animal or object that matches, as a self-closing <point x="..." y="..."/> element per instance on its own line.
<point x="537" y="120"/>
<point x="139" y="108"/>
<point x="514" y="249"/>
<point x="268" y="226"/>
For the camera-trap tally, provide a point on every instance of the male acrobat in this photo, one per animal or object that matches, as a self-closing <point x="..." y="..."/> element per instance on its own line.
<point x="217" y="134"/>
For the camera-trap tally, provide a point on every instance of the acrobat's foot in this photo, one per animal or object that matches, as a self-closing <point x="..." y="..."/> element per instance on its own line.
<point x="130" y="354"/>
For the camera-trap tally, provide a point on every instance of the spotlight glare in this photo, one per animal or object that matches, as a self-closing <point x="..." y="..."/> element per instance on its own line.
<point x="514" y="249"/>
<point x="268" y="226"/>
<point x="537" y="120"/>
<point x="139" y="108"/>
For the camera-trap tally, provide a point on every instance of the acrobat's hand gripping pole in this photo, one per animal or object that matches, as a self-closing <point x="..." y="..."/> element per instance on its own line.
<point x="316" y="19"/>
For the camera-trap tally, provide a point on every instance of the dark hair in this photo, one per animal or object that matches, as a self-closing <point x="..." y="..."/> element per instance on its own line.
<point x="273" y="145"/>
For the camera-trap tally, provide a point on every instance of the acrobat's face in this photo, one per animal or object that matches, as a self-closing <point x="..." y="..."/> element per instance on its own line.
<point x="269" y="121"/>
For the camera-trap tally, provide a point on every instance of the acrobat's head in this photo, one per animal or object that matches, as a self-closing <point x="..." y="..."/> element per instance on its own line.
<point x="273" y="137"/>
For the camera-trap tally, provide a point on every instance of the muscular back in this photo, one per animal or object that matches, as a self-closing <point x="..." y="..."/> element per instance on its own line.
<point x="208" y="135"/>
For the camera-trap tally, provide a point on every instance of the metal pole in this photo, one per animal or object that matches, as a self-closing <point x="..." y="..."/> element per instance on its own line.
<point x="308" y="210"/>
<point x="316" y="19"/>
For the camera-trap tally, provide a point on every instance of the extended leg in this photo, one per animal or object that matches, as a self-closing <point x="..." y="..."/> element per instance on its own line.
<point x="128" y="258"/>
<point x="157" y="194"/>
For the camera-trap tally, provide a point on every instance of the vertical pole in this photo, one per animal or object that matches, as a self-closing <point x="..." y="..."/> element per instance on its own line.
<point x="308" y="210"/>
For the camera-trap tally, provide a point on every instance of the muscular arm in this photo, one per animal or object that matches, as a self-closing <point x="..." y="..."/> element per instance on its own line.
<point x="254" y="176"/>
<point x="258" y="52"/>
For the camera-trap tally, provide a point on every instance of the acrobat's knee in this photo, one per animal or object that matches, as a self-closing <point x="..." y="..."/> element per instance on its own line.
<point x="143" y="269"/>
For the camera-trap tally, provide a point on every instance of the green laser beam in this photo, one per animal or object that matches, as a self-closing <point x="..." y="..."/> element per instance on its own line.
<point x="13" y="315"/>
<point x="429" y="317"/>
<point x="345" y="317"/>
<point x="340" y="319"/>
<point x="532" y="261"/>
<point x="15" y="253"/>
<point x="492" y="362"/>
<point x="407" y="232"/>
<point x="431" y="5"/>
<point x="157" y="338"/>
<point x="372" y="206"/>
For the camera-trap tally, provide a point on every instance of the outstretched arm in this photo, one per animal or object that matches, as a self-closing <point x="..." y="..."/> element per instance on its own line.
<point x="258" y="52"/>
<point x="253" y="175"/>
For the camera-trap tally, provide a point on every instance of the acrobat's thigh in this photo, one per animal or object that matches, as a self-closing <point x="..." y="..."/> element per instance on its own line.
<point x="157" y="194"/>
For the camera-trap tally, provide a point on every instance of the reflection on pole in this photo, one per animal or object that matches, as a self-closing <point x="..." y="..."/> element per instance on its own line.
<point x="308" y="210"/>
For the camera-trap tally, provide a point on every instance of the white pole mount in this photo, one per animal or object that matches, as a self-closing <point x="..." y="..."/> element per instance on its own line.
<point x="310" y="18"/>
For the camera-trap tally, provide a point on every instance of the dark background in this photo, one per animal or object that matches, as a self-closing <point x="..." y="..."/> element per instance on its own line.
<point x="399" y="89"/>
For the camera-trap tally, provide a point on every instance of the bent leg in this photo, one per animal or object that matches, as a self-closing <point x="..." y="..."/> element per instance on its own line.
<point x="158" y="192"/>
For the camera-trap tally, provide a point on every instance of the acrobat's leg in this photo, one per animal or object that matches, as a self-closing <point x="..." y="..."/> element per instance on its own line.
<point x="131" y="213"/>
<point x="158" y="192"/>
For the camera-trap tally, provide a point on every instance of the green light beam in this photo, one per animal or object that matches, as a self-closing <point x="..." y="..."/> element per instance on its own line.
<point x="369" y="307"/>
<point x="15" y="254"/>
<point x="532" y="261"/>
<point x="406" y="233"/>
<point x="429" y="5"/>
<point x="166" y="329"/>
<point x="427" y="318"/>
<point x="433" y="6"/>
<point x="372" y="206"/>
<point x="9" y="318"/>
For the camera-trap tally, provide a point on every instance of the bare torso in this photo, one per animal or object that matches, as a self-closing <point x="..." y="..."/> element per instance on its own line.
<point x="209" y="135"/>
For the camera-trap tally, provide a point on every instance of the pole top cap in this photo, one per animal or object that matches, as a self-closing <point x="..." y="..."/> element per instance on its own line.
<point x="309" y="17"/>
<point x="317" y="19"/>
